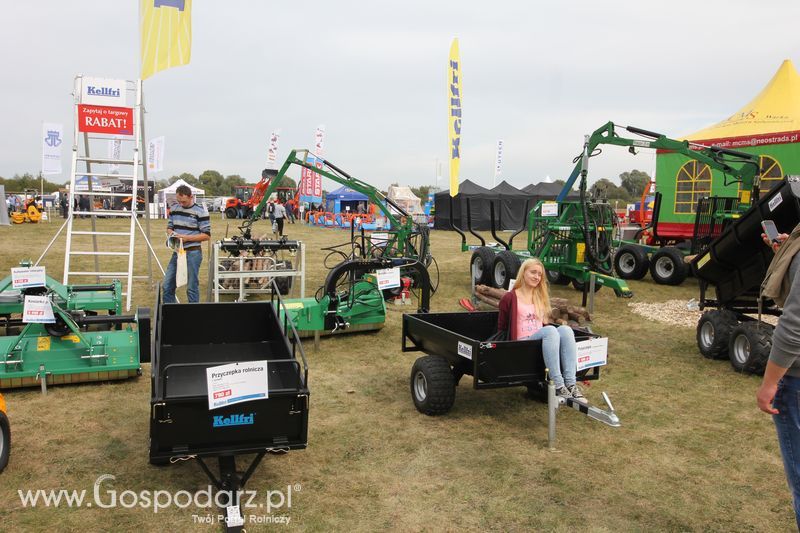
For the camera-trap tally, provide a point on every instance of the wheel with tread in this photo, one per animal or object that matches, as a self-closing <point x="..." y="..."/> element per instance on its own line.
<point x="631" y="262"/>
<point x="505" y="268"/>
<point x="667" y="266"/>
<point x="5" y="440"/>
<point x="714" y="333"/>
<point x="480" y="265"/>
<point x="231" y="212"/>
<point x="749" y="347"/>
<point x="433" y="388"/>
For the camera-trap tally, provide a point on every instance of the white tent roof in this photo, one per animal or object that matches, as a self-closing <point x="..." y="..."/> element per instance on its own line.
<point x="172" y="188"/>
<point x="406" y="199"/>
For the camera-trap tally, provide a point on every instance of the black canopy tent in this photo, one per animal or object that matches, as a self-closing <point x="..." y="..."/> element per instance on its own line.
<point x="508" y="201"/>
<point x="510" y="208"/>
<point x="479" y="207"/>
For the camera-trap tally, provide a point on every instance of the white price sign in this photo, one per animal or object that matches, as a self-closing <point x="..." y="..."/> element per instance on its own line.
<point x="592" y="352"/>
<point x="236" y="383"/>
<point x="550" y="209"/>
<point x="37" y="310"/>
<point x="379" y="238"/>
<point x="22" y="277"/>
<point x="388" y="278"/>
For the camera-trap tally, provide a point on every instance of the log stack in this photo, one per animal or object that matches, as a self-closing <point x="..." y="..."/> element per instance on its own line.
<point x="562" y="313"/>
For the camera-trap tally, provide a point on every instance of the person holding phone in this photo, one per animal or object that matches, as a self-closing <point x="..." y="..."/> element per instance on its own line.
<point x="779" y="392"/>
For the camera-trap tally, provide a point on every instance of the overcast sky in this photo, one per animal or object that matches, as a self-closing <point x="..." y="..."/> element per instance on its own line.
<point x="538" y="75"/>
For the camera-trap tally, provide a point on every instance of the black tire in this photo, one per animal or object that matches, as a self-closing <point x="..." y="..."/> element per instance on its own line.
<point x="480" y="266"/>
<point x="667" y="266"/>
<point x="631" y="262"/>
<point x="506" y="266"/>
<point x="433" y="388"/>
<point x="231" y="212"/>
<point x="714" y="333"/>
<point x="749" y="347"/>
<point x="5" y="440"/>
<point x="578" y="285"/>
<point x="556" y="278"/>
<point x="284" y="283"/>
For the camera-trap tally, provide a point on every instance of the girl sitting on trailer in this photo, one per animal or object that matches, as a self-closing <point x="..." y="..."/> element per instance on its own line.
<point x="525" y="315"/>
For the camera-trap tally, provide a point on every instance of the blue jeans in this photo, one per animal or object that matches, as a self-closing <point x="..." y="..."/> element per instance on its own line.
<point x="560" y="353"/>
<point x="787" y="423"/>
<point x="193" y="259"/>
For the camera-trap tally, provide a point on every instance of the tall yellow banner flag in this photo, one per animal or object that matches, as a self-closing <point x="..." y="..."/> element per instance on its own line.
<point x="454" y="104"/>
<point x="166" y="34"/>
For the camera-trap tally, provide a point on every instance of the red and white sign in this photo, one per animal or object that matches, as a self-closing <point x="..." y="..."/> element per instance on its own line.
<point x="311" y="182"/>
<point x="104" y="119"/>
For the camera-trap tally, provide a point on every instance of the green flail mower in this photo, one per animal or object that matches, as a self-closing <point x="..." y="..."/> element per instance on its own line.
<point x="87" y="340"/>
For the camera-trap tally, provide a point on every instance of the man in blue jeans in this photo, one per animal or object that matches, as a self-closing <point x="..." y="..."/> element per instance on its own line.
<point x="190" y="223"/>
<point x="779" y="394"/>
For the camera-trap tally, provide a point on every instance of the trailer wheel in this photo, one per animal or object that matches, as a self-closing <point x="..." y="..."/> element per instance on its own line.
<point x="631" y="262"/>
<point x="506" y="266"/>
<point x="556" y="278"/>
<point x="231" y="212"/>
<point x="749" y="347"/>
<point x="481" y="265"/>
<point x="433" y="388"/>
<point x="5" y="440"/>
<point x="668" y="267"/>
<point x="714" y="333"/>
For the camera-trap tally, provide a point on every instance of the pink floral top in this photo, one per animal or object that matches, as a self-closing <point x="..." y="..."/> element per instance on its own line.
<point x="527" y="321"/>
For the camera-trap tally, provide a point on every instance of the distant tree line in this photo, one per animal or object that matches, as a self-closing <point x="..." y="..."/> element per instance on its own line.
<point x="632" y="185"/>
<point x="214" y="183"/>
<point x="28" y="181"/>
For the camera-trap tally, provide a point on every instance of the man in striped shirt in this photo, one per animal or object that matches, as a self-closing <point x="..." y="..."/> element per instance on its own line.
<point x="190" y="223"/>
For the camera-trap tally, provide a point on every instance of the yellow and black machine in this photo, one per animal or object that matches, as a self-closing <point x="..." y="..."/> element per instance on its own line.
<point x="30" y="211"/>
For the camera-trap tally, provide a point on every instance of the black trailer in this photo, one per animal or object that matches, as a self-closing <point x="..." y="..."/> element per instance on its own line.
<point x="188" y="339"/>
<point x="452" y="342"/>
<point x="730" y="271"/>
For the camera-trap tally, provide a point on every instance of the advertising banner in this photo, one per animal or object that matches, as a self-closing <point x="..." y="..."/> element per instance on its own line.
<point x="498" y="161"/>
<point x="52" y="138"/>
<point x="102" y="119"/>
<point x="102" y="91"/>
<point x="166" y="34"/>
<point x="114" y="150"/>
<point x="311" y="182"/>
<point x="155" y="155"/>
<point x="272" y="152"/>
<point x="454" y="119"/>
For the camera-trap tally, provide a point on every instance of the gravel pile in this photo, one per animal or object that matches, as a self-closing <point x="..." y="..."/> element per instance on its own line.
<point x="679" y="313"/>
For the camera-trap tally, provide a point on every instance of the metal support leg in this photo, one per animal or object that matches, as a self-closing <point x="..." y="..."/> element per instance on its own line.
<point x="552" y="408"/>
<point x="592" y="281"/>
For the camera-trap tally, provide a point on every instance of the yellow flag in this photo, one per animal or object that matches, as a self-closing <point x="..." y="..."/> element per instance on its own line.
<point x="166" y="34"/>
<point x="454" y="105"/>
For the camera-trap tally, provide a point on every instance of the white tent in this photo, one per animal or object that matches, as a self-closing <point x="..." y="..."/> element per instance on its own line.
<point x="167" y="196"/>
<point x="406" y="199"/>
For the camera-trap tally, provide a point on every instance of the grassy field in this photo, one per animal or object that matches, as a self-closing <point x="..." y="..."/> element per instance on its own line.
<point x="693" y="454"/>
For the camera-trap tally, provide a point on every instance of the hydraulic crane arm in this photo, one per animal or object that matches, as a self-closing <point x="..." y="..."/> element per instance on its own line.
<point x="742" y="166"/>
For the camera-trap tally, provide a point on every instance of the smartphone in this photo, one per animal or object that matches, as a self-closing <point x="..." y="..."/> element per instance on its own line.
<point x="770" y="230"/>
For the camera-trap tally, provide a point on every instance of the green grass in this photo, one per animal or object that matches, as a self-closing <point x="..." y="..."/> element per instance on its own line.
<point x="693" y="454"/>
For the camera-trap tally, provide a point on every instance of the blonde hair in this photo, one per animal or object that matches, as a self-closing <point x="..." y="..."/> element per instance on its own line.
<point x="541" y="293"/>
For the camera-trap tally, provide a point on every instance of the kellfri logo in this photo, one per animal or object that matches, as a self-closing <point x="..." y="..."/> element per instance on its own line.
<point x="234" y="420"/>
<point x="103" y="91"/>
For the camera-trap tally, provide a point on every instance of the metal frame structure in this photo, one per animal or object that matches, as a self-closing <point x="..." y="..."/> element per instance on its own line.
<point x="218" y="275"/>
<point x="81" y="155"/>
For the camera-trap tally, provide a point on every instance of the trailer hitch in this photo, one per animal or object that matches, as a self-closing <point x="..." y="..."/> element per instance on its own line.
<point x="554" y="402"/>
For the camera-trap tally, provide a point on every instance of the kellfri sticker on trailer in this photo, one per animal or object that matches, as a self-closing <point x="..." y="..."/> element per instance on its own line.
<point x="105" y="119"/>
